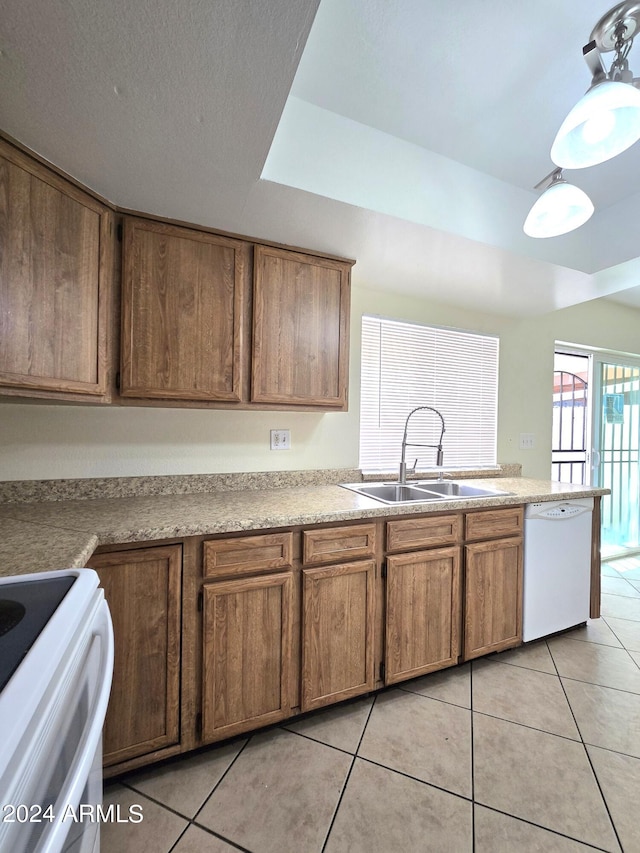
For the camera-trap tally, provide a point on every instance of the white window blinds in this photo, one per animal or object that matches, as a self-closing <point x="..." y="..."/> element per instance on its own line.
<point x="405" y="365"/>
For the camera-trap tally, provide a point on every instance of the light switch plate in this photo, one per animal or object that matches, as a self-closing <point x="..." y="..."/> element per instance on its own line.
<point x="527" y="441"/>
<point x="280" y="439"/>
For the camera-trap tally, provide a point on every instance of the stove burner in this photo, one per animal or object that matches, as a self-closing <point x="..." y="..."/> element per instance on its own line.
<point x="25" y="608"/>
<point x="11" y="613"/>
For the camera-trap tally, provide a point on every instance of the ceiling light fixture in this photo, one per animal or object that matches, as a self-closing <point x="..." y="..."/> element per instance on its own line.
<point x="562" y="207"/>
<point x="606" y="120"/>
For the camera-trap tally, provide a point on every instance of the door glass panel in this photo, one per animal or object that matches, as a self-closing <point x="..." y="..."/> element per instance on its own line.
<point x="570" y="419"/>
<point x="619" y="437"/>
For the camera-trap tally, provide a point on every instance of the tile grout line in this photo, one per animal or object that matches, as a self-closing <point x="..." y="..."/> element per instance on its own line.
<point x="316" y="740"/>
<point x="348" y="776"/>
<point x="193" y="820"/>
<point x="190" y="821"/>
<point x="472" y="802"/>
<point x="224" y="775"/>
<point x="584" y="747"/>
<point x="217" y="835"/>
<point x="179" y="838"/>
<point x="633" y="660"/>
<point x="628" y="618"/>
<point x="602" y="686"/>
<point x="622" y="647"/>
<point x="530" y="727"/>
<point x="132" y="787"/>
<point x="545" y="828"/>
<point x="604" y="799"/>
<point x="432" y="698"/>
<point x="162" y="806"/>
<point x="416" y="779"/>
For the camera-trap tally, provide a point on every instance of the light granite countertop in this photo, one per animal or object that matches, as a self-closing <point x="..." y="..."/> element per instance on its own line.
<point x="52" y="535"/>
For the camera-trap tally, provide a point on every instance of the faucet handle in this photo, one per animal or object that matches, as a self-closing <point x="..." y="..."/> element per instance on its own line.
<point x="412" y="470"/>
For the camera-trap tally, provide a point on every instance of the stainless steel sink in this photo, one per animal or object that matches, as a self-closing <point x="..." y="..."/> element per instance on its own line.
<point x="391" y="493"/>
<point x="427" y="490"/>
<point x="452" y="489"/>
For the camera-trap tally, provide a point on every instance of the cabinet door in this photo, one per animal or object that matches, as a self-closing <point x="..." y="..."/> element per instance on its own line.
<point x="55" y="248"/>
<point x="142" y="589"/>
<point x="300" y="329"/>
<point x="182" y="313"/>
<point x="493" y="596"/>
<point x="246" y="653"/>
<point x="423" y="612"/>
<point x="337" y="632"/>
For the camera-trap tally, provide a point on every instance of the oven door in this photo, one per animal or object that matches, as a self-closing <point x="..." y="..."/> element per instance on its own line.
<point x="53" y="805"/>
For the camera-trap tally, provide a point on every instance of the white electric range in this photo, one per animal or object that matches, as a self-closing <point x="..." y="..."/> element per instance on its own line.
<point x="56" y="664"/>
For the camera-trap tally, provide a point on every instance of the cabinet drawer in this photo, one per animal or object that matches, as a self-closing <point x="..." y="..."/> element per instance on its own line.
<point x="338" y="543"/>
<point x="245" y="554"/>
<point x="493" y="522"/>
<point x="423" y="532"/>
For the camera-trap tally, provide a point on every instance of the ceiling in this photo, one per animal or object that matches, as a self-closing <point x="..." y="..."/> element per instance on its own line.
<point x="406" y="134"/>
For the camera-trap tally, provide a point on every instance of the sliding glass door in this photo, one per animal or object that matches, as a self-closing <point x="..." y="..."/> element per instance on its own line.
<point x="616" y="457"/>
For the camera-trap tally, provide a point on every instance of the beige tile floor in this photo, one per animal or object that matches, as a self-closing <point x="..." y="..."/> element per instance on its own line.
<point x="536" y="750"/>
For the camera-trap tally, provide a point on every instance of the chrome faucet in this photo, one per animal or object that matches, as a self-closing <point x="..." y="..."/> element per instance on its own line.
<point x="402" y="477"/>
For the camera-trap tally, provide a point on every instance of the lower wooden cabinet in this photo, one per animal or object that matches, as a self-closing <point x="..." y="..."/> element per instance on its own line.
<point x="285" y="621"/>
<point x="493" y="596"/>
<point x="338" y="612"/>
<point x="143" y="590"/>
<point x="422" y="612"/>
<point x="246" y="666"/>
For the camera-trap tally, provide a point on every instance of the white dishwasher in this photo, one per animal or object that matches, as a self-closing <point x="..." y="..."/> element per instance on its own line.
<point x="557" y="566"/>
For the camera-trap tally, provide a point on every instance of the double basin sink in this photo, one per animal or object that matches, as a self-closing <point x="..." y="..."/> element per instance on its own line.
<point x="427" y="490"/>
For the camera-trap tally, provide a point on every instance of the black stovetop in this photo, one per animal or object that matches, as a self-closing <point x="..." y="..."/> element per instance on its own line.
<point x="25" y="609"/>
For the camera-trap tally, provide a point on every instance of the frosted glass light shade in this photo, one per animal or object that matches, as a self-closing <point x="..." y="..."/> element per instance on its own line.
<point x="560" y="209"/>
<point x="604" y="122"/>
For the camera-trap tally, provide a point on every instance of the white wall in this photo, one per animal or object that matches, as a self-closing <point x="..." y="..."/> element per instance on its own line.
<point x="526" y="366"/>
<point x="42" y="441"/>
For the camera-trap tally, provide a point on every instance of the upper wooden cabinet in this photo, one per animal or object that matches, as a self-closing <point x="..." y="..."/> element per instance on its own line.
<point x="55" y="270"/>
<point x="300" y="329"/>
<point x="187" y="299"/>
<point x="183" y="313"/>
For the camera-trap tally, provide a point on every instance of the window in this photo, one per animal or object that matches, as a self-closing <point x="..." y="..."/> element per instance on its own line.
<point x="405" y="365"/>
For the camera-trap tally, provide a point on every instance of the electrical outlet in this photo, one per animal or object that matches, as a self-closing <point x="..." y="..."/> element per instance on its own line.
<point x="527" y="441"/>
<point x="280" y="439"/>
